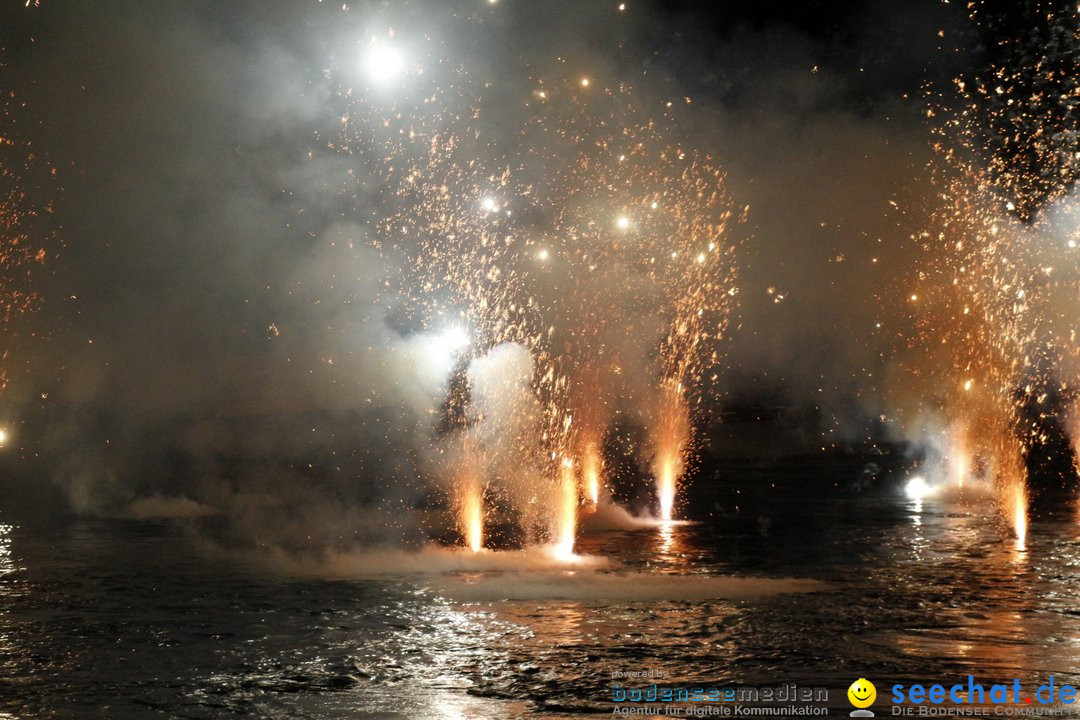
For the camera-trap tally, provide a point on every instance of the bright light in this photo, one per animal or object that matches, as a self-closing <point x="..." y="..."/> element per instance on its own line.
<point x="472" y="518"/>
<point x="584" y="82"/>
<point x="917" y="488"/>
<point x="383" y="62"/>
<point x="542" y="255"/>
<point x="622" y="222"/>
<point x="566" y="504"/>
<point x="1019" y="513"/>
<point x="590" y="471"/>
<point x="665" y="486"/>
<point x="454" y="339"/>
<point x="489" y="204"/>
<point x="440" y="350"/>
<point x="3" y="437"/>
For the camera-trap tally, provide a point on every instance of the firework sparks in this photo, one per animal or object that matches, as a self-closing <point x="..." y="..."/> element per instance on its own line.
<point x="991" y="302"/>
<point x="533" y="258"/>
<point x="25" y="235"/>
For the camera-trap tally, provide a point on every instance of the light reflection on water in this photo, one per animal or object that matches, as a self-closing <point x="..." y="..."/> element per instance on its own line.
<point x="132" y="617"/>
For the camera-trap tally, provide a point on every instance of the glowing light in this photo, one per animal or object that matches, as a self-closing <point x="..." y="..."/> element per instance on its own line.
<point x="566" y="520"/>
<point x="584" y="82"/>
<point x="3" y="437"/>
<point x="665" y="485"/>
<point x="472" y="516"/>
<point x="917" y="488"/>
<point x="383" y="63"/>
<point x="967" y="385"/>
<point x="591" y="469"/>
<point x="454" y="339"/>
<point x="959" y="460"/>
<point x="543" y="255"/>
<point x="1019" y="515"/>
<point x="622" y="222"/>
<point x="672" y="434"/>
<point x="489" y="204"/>
<point x="441" y="349"/>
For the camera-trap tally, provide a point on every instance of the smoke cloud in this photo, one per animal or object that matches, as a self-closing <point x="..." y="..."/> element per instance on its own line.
<point x="226" y="335"/>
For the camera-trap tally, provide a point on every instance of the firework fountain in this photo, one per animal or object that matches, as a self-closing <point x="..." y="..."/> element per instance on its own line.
<point x="998" y="289"/>
<point x="586" y="240"/>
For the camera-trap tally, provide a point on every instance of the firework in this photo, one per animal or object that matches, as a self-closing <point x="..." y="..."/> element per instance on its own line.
<point x="592" y="471"/>
<point x="996" y="301"/>
<point x="589" y="238"/>
<point x="468" y="488"/>
<point x="27" y="185"/>
<point x="564" y="525"/>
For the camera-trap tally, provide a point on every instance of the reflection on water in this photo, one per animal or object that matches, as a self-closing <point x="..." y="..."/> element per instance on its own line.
<point x="131" y="617"/>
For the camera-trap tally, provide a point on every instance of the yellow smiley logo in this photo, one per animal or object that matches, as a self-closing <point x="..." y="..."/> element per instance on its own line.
<point x="862" y="693"/>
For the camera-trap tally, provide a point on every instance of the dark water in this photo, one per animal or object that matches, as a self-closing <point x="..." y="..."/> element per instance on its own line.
<point x="121" y="619"/>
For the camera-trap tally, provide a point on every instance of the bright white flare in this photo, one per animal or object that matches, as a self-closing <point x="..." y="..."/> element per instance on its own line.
<point x="623" y="222"/>
<point x="383" y="63"/>
<point x="3" y="437"/>
<point x="917" y="488"/>
<point x="489" y="204"/>
<point x="453" y="339"/>
<point x="441" y="350"/>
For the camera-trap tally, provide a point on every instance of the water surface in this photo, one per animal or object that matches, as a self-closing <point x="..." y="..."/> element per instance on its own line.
<point x="134" y="619"/>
